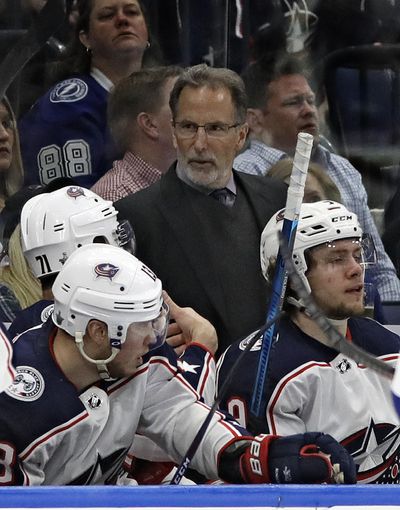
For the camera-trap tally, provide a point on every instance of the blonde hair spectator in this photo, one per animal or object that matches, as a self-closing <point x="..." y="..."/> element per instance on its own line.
<point x="17" y="275"/>
<point x="319" y="186"/>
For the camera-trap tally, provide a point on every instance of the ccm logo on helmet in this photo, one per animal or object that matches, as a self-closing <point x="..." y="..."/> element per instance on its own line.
<point x="336" y="219"/>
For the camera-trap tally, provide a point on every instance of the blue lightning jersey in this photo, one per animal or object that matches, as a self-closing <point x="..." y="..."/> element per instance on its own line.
<point x="65" y="133"/>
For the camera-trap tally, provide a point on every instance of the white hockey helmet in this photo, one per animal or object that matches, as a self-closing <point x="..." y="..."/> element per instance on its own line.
<point x="319" y="223"/>
<point x="109" y="284"/>
<point x="55" y="224"/>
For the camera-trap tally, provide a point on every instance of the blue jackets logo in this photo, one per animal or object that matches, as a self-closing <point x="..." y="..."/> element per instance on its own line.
<point x="106" y="270"/>
<point x="75" y="192"/>
<point x="28" y="384"/>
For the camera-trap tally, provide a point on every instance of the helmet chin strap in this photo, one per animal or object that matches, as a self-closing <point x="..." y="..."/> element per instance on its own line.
<point x="101" y="364"/>
<point x="298" y="303"/>
<point x="339" y="324"/>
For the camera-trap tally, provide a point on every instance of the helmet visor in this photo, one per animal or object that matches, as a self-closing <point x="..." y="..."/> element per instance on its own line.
<point x="126" y="236"/>
<point x="368" y="249"/>
<point x="155" y="329"/>
<point x="339" y="253"/>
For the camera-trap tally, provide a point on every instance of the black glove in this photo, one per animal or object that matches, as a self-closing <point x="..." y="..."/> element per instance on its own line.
<point x="312" y="457"/>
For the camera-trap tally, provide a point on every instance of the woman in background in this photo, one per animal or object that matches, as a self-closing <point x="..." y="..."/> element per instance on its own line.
<point x="18" y="286"/>
<point x="319" y="186"/>
<point x="11" y="170"/>
<point x="65" y="133"/>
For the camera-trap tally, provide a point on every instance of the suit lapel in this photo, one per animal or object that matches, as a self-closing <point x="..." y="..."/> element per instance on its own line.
<point x="177" y="209"/>
<point x="255" y="197"/>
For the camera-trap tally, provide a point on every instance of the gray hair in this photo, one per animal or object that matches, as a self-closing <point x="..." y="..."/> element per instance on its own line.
<point x="214" y="77"/>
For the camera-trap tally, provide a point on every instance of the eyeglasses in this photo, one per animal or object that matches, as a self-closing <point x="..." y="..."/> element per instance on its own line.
<point x="187" y="129"/>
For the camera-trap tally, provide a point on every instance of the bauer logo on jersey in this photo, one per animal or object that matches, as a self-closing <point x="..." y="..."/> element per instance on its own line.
<point x="46" y="312"/>
<point x="106" y="270"/>
<point x="244" y="343"/>
<point x="75" y="192"/>
<point x="69" y="91"/>
<point x="28" y="384"/>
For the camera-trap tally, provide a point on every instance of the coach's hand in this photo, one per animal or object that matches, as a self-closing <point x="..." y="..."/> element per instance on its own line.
<point x="312" y="457"/>
<point x="189" y="327"/>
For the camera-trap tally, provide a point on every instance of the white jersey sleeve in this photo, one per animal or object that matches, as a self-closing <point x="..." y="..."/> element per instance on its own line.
<point x="172" y="415"/>
<point x="7" y="372"/>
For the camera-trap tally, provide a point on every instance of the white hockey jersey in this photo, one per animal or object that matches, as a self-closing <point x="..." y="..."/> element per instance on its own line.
<point x="311" y="387"/>
<point x="51" y="434"/>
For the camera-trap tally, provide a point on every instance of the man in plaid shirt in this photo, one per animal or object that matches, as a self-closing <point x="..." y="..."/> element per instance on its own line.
<point x="140" y="123"/>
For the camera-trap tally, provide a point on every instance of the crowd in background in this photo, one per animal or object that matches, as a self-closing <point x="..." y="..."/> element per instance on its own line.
<point x="120" y="100"/>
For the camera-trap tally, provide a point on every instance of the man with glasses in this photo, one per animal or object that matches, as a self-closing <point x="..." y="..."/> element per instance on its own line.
<point x="309" y="385"/>
<point x="199" y="226"/>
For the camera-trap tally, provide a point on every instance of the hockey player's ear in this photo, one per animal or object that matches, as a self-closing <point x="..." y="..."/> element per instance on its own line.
<point x="98" y="332"/>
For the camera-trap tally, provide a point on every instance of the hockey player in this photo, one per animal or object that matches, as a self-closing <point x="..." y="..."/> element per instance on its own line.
<point x="53" y="225"/>
<point x="309" y="386"/>
<point x="100" y="373"/>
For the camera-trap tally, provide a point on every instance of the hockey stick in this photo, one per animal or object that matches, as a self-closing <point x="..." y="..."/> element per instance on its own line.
<point x="187" y="459"/>
<point x="292" y="211"/>
<point x="43" y="27"/>
<point x="335" y="339"/>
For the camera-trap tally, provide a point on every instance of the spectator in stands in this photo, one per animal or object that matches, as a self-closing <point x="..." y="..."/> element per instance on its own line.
<point x="319" y="186"/>
<point x="199" y="225"/>
<point x="65" y="133"/>
<point x="34" y="79"/>
<point x="18" y="286"/>
<point x="140" y="123"/>
<point x="281" y="104"/>
<point x="11" y="169"/>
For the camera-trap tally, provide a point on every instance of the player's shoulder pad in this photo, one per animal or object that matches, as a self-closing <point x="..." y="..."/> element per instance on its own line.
<point x="373" y="336"/>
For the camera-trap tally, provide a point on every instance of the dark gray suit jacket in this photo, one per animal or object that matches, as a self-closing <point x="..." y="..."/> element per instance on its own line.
<point x="181" y="233"/>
